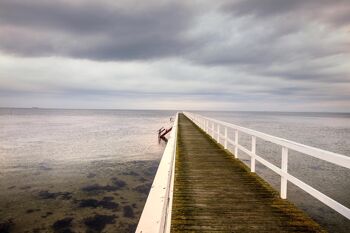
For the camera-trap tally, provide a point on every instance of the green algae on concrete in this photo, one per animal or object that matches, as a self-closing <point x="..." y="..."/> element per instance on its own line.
<point x="214" y="192"/>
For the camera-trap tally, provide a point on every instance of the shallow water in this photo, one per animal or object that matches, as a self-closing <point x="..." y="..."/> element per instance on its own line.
<point x="328" y="131"/>
<point x="91" y="170"/>
<point x="76" y="170"/>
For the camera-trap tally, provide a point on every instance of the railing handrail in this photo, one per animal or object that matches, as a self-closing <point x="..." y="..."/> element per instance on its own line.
<point x="156" y="215"/>
<point x="208" y="125"/>
<point x="328" y="156"/>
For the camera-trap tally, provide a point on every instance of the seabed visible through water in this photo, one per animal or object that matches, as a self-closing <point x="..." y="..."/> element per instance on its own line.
<point x="104" y="196"/>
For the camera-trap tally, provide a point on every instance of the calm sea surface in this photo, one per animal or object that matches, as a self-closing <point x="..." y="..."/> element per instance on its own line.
<point x="91" y="170"/>
<point x="76" y="170"/>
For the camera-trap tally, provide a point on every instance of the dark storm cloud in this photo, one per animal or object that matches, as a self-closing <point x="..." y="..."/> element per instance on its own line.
<point x="93" y="30"/>
<point x="106" y="30"/>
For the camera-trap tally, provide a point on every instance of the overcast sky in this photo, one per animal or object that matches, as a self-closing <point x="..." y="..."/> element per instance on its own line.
<point x="212" y="55"/>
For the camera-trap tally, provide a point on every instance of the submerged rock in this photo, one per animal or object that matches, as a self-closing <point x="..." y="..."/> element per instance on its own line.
<point x="118" y="183"/>
<point x="143" y="188"/>
<point x="109" y="205"/>
<point x="150" y="171"/>
<point x="6" y="226"/>
<point x="44" y="168"/>
<point x="63" y="225"/>
<point x="128" y="212"/>
<point x="131" y="228"/>
<point x="46" y="214"/>
<point x="98" y="222"/>
<point x="91" y="175"/>
<point x="108" y="198"/>
<point x="99" y="188"/>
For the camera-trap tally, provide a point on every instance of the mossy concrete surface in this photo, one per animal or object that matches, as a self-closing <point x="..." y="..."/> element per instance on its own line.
<point x="213" y="192"/>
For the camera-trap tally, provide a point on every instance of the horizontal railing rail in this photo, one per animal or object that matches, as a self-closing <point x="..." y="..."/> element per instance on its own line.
<point x="156" y="215"/>
<point x="213" y="128"/>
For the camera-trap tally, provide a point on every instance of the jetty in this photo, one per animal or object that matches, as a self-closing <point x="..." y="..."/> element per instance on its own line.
<point x="203" y="186"/>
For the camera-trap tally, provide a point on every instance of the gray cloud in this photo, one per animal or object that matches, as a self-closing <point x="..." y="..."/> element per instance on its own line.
<point x="264" y="8"/>
<point x="290" y="35"/>
<point x="223" y="51"/>
<point x="335" y="12"/>
<point x="99" y="30"/>
<point x="106" y="30"/>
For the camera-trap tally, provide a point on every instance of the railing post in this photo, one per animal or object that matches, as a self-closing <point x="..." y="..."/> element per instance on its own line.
<point x="284" y="167"/>
<point x="225" y="144"/>
<point x="236" y="143"/>
<point x="212" y="129"/>
<point x="218" y="133"/>
<point x="252" y="158"/>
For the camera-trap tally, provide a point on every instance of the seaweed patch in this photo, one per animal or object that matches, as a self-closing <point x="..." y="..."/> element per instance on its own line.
<point x="130" y="173"/>
<point x="51" y="195"/>
<point x="117" y="184"/>
<point x="29" y="211"/>
<point x="105" y="203"/>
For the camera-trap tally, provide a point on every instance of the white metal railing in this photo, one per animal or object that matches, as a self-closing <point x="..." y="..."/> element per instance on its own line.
<point x="209" y="125"/>
<point x="156" y="215"/>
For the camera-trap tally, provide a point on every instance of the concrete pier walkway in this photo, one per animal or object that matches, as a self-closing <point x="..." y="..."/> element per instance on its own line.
<point x="214" y="192"/>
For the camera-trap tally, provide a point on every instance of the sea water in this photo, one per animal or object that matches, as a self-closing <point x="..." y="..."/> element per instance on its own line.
<point x="77" y="170"/>
<point x="91" y="170"/>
